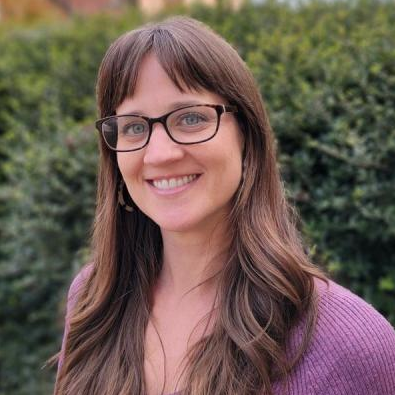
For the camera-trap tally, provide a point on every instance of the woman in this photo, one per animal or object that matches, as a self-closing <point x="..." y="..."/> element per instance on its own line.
<point x="199" y="281"/>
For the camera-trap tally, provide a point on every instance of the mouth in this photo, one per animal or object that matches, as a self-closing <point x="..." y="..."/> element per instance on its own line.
<point x="173" y="182"/>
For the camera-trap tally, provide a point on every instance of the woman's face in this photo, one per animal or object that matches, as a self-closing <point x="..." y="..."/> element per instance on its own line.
<point x="211" y="170"/>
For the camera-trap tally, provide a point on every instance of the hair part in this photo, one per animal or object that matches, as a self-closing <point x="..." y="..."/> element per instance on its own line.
<point x="267" y="285"/>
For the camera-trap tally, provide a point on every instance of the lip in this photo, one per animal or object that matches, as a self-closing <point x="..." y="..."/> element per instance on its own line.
<point x="168" y="177"/>
<point x="175" y="190"/>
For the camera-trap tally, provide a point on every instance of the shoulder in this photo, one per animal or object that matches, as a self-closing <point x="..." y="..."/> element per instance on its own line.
<point x="342" y="315"/>
<point x="77" y="285"/>
<point x="353" y="347"/>
<point x="72" y="297"/>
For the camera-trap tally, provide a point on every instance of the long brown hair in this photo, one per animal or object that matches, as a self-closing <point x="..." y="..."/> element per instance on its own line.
<point x="267" y="286"/>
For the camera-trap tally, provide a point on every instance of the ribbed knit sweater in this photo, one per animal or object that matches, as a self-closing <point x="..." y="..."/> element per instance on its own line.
<point x="352" y="351"/>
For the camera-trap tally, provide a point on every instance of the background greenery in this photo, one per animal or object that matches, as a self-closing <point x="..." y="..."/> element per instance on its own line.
<point x="327" y="72"/>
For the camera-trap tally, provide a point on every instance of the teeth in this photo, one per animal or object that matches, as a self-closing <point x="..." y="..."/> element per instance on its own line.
<point x="173" y="182"/>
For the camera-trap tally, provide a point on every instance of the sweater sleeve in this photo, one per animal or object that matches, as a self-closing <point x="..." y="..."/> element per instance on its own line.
<point x="72" y="298"/>
<point x="353" y="351"/>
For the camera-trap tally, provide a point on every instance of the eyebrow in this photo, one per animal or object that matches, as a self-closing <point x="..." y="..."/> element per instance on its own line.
<point x="184" y="103"/>
<point x="172" y="106"/>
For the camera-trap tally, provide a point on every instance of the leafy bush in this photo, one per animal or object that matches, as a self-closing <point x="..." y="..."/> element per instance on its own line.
<point x="47" y="200"/>
<point x="332" y="103"/>
<point x="327" y="74"/>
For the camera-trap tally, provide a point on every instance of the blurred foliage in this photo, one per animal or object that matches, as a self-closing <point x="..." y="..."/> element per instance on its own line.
<point x="29" y="12"/>
<point x="327" y="72"/>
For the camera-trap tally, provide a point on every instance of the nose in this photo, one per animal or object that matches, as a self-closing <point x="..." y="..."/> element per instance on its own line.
<point x="161" y="149"/>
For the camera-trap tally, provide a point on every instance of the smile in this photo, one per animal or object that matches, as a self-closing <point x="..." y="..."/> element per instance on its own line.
<point x="171" y="183"/>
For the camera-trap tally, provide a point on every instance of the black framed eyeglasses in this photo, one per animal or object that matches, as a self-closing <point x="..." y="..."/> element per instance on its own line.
<point x="186" y="125"/>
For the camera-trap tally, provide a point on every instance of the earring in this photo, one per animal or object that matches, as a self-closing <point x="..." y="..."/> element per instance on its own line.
<point x="121" y="199"/>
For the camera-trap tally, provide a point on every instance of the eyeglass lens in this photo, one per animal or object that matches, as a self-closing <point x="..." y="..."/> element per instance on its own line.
<point x="187" y="125"/>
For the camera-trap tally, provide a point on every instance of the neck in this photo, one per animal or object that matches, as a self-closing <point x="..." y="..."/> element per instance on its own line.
<point x="192" y="259"/>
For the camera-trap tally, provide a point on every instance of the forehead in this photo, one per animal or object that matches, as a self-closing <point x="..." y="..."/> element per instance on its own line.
<point x="155" y="92"/>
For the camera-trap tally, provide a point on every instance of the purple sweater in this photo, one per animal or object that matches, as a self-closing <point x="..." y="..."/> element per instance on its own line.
<point x="352" y="351"/>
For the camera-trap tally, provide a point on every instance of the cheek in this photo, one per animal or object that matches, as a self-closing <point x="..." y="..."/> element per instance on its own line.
<point x="228" y="173"/>
<point x="128" y="165"/>
<point x="130" y="168"/>
<point x="234" y="151"/>
<point x="234" y="162"/>
<point x="233" y="171"/>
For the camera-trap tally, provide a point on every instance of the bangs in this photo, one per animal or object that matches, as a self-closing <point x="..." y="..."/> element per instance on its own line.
<point x="185" y="65"/>
<point x="192" y="59"/>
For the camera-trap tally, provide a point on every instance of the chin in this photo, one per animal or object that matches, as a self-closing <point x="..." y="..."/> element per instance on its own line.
<point x="179" y="225"/>
<point x="181" y="220"/>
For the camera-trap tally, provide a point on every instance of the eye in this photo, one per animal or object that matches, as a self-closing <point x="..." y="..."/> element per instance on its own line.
<point x="134" y="128"/>
<point x="192" y="119"/>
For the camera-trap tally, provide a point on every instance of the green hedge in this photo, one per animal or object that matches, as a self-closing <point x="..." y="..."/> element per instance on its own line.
<point x="327" y="72"/>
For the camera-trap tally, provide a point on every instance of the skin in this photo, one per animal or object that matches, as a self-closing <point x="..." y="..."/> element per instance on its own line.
<point x="192" y="218"/>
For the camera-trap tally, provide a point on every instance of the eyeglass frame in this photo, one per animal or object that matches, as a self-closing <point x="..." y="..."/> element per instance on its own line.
<point x="220" y="109"/>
